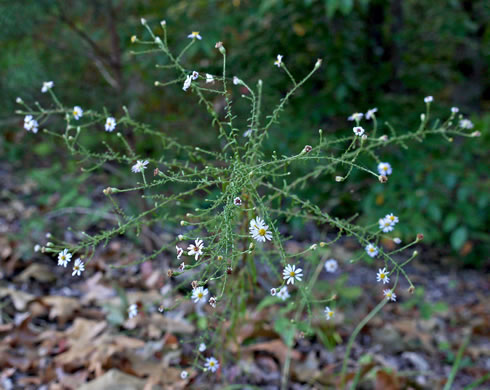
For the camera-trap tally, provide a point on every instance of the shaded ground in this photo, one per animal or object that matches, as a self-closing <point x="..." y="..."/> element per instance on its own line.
<point x="59" y="332"/>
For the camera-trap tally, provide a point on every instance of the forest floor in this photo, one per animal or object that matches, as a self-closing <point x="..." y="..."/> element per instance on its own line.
<point x="59" y="332"/>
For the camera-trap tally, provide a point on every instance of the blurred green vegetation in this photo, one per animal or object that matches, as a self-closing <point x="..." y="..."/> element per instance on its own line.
<point x="385" y="54"/>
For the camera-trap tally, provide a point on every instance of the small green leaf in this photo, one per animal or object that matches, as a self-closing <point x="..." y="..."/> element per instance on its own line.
<point x="459" y="237"/>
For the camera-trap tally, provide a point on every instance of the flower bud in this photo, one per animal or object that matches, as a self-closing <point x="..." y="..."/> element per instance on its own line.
<point x="182" y="223"/>
<point x="163" y="23"/>
<point x="194" y="284"/>
<point x="143" y="21"/>
<point x="19" y="100"/>
<point x="318" y="63"/>
<point x="420" y="237"/>
<point x="475" y="134"/>
<point x="220" y="258"/>
<point x="322" y="244"/>
<point x="415" y="253"/>
<point x="307" y="149"/>
<point x="422" y="117"/>
<point x="158" y="40"/>
<point x="411" y="289"/>
<point x="133" y="39"/>
<point x="170" y="273"/>
<point x="313" y="247"/>
<point x="180" y="237"/>
<point x="338" y="179"/>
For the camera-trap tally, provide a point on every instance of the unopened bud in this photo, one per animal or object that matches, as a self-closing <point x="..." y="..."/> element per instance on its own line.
<point x="313" y="247"/>
<point x="182" y="223"/>
<point x="338" y="179"/>
<point x="107" y="191"/>
<point x="318" y="63"/>
<point x="475" y="134"/>
<point x="194" y="284"/>
<point x="19" y="100"/>
<point x="133" y="39"/>
<point x="158" y="40"/>
<point x="170" y="273"/>
<point x="420" y="237"/>
<point x="163" y="23"/>
<point x="322" y="244"/>
<point x="251" y="246"/>
<point x="180" y="237"/>
<point x="49" y="244"/>
<point x="143" y="21"/>
<point x="422" y="117"/>
<point x="411" y="289"/>
<point x="384" y="138"/>
<point x="415" y="253"/>
<point x="220" y="258"/>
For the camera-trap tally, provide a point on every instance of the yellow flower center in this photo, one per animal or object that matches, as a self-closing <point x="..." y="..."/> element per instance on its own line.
<point x="200" y="295"/>
<point x="292" y="273"/>
<point x="371" y="249"/>
<point x="262" y="232"/>
<point x="381" y="276"/>
<point x="211" y="364"/>
<point x="195" y="33"/>
<point x="385" y="168"/>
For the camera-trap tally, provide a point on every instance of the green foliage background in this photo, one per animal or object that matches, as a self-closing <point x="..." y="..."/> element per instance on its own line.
<point x="385" y="54"/>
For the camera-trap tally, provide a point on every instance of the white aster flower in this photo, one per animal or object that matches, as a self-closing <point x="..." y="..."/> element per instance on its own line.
<point x="329" y="313"/>
<point x="397" y="240"/>
<point x="194" y="35"/>
<point x="382" y="276"/>
<point x="37" y="248"/>
<point x="110" y="124"/>
<point x="140" y="166"/>
<point x="163" y="23"/>
<point x="19" y="100"/>
<point x="180" y="251"/>
<point x="428" y="99"/>
<point x="358" y="130"/>
<point x="199" y="294"/>
<point x="47" y="85"/>
<point x="209" y="78"/>
<point x="278" y="62"/>
<point x="331" y="265"/>
<point x="143" y="21"/>
<point x="211" y="364"/>
<point x="386" y="225"/>
<point x="184" y="374"/>
<point x="291" y="273"/>
<point x="202" y="347"/>
<point x="132" y="310"/>
<point x="259" y="230"/>
<point x="182" y="266"/>
<point x="187" y="83"/>
<point x="273" y="292"/>
<point x="371" y="250"/>
<point x="283" y="293"/>
<point x="78" y="268"/>
<point x="390" y="295"/>
<point x="371" y="113"/>
<point x="357" y="116"/>
<point x="195" y="75"/>
<point x="212" y="302"/>
<point x="77" y="112"/>
<point x="64" y="257"/>
<point x="196" y="249"/>
<point x="237" y="201"/>
<point x="466" y="124"/>
<point x="247" y="133"/>
<point x="384" y="169"/>
<point x="454" y="110"/>
<point x="392" y="218"/>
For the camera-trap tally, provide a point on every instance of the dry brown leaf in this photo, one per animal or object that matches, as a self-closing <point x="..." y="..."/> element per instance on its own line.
<point x="20" y="299"/>
<point x="115" y="380"/>
<point x="275" y="347"/>
<point x="62" y="308"/>
<point x="36" y="271"/>
<point x="386" y="381"/>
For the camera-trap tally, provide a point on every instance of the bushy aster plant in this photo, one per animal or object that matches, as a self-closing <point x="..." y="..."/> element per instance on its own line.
<point x="247" y="197"/>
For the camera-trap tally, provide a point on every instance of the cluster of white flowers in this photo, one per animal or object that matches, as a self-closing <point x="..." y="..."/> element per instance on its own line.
<point x="259" y="230"/>
<point x="387" y="224"/>
<point x="384" y="169"/>
<point x="64" y="257"/>
<point x="140" y="166"/>
<point x="30" y="124"/>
